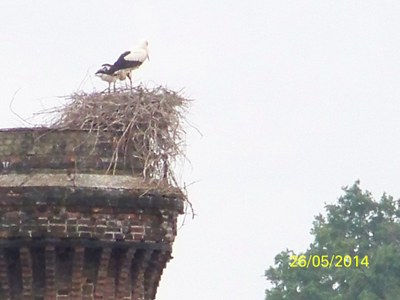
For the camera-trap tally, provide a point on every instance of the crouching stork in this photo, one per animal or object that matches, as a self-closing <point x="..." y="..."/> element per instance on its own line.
<point x="106" y="75"/>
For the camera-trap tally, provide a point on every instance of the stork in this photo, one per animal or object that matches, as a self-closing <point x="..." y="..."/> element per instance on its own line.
<point x="106" y="75"/>
<point x="130" y="60"/>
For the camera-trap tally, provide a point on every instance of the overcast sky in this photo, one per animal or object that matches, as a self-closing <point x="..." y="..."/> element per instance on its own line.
<point x="295" y="99"/>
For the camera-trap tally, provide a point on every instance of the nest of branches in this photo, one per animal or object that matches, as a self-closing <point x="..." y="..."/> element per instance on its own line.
<point x="147" y="125"/>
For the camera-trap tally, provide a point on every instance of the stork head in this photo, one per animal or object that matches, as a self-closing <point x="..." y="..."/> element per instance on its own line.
<point x="144" y="45"/>
<point x="105" y="70"/>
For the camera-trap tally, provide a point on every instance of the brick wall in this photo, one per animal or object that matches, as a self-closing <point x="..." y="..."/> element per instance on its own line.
<point x="68" y="230"/>
<point x="24" y="150"/>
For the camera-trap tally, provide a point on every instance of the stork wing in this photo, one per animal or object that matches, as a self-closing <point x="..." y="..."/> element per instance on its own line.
<point x="124" y="63"/>
<point x="121" y="58"/>
<point x="120" y="64"/>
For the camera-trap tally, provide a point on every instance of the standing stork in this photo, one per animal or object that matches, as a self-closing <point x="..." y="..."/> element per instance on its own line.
<point x="130" y="60"/>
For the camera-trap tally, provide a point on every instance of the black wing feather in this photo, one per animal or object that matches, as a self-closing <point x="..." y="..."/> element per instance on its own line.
<point x="122" y="63"/>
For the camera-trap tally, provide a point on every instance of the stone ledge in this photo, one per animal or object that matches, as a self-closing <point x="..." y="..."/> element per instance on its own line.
<point x="77" y="180"/>
<point x="87" y="191"/>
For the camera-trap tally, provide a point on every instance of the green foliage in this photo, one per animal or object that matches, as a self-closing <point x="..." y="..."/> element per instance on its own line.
<point x="357" y="226"/>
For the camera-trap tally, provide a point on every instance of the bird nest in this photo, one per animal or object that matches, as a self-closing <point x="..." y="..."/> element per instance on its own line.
<point x="147" y="125"/>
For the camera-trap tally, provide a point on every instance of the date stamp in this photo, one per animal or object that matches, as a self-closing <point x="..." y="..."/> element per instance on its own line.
<point x="328" y="261"/>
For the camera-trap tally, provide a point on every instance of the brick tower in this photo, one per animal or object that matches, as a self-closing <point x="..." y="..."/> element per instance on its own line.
<point x="68" y="230"/>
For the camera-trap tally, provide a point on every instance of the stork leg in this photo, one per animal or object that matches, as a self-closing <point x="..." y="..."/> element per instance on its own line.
<point x="109" y="87"/>
<point x="130" y="79"/>
<point x="114" y="86"/>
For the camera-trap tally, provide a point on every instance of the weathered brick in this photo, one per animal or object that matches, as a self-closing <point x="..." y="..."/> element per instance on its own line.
<point x="109" y="235"/>
<point x="42" y="221"/>
<point x="72" y="228"/>
<point x="57" y="228"/>
<point x="137" y="229"/>
<point x="72" y="221"/>
<point x="119" y="236"/>
<point x="100" y="229"/>
<point x="84" y="221"/>
<point x="84" y="228"/>
<point x="57" y="220"/>
<point x="138" y="237"/>
<point x="85" y="235"/>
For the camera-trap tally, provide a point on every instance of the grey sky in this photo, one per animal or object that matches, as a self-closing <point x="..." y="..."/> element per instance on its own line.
<point x="294" y="99"/>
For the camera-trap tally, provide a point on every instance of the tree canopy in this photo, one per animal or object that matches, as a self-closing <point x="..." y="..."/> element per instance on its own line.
<point x="367" y="231"/>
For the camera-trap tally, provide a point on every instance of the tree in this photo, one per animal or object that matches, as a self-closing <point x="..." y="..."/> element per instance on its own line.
<point x="365" y="230"/>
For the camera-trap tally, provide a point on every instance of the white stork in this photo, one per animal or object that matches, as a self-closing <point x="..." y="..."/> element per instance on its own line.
<point x="105" y="75"/>
<point x="129" y="61"/>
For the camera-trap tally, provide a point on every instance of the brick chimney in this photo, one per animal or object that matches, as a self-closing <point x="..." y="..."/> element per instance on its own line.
<point x="69" y="230"/>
